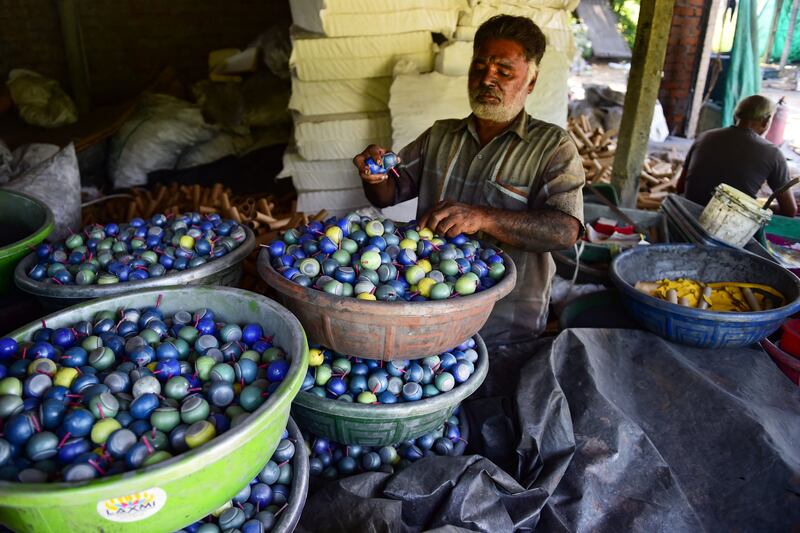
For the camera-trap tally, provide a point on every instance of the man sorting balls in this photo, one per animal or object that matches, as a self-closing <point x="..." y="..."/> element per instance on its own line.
<point x="510" y="179"/>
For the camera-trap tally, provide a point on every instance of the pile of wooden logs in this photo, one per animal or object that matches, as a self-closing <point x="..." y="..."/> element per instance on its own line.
<point x="265" y="215"/>
<point x="597" y="148"/>
<point x="658" y="179"/>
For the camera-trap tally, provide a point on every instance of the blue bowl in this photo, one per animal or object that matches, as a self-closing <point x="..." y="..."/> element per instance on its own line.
<point x="697" y="327"/>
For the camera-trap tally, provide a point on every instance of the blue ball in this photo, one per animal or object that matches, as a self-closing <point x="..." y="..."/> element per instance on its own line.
<point x="336" y="386"/>
<point x="8" y="348"/>
<point x="277" y="370"/>
<point x="260" y="495"/>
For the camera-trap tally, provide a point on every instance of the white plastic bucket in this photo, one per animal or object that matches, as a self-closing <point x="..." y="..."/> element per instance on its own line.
<point x="732" y="216"/>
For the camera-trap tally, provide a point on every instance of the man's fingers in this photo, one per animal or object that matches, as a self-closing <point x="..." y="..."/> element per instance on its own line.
<point x="373" y="178"/>
<point x="447" y="225"/>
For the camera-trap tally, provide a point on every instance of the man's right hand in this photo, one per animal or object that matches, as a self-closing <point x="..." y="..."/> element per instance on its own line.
<point x="374" y="152"/>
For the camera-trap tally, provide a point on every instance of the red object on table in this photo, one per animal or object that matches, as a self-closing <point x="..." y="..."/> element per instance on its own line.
<point x="608" y="229"/>
<point x="790" y="337"/>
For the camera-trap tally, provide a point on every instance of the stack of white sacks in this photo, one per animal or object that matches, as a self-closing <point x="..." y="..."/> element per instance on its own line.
<point x="344" y="94"/>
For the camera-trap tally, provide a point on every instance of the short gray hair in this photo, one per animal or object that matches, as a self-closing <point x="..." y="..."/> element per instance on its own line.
<point x="754" y="108"/>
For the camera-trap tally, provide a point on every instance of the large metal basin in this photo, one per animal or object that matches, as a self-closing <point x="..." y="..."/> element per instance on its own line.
<point x="698" y="327"/>
<point x="227" y="270"/>
<point x="387" y="330"/>
<point x="187" y="487"/>
<point x="384" y="424"/>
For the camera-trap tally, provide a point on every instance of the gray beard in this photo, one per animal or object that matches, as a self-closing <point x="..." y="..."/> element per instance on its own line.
<point x="502" y="112"/>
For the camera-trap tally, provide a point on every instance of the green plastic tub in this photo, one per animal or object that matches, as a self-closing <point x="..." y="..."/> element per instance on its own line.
<point x="384" y="424"/>
<point x="24" y="223"/>
<point x="173" y="494"/>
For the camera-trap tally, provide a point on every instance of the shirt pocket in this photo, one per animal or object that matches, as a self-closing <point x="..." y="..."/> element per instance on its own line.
<point x="505" y="196"/>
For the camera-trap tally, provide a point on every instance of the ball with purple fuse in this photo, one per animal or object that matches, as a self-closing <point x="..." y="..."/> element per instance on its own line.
<point x="330" y="460"/>
<point x="370" y="381"/>
<point x="378" y="259"/>
<point x="127" y="389"/>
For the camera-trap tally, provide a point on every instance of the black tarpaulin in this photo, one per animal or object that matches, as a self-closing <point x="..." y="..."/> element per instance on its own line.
<point x="599" y="430"/>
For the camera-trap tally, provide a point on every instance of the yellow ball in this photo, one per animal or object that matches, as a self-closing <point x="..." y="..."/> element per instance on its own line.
<point x="152" y="366"/>
<point x="426" y="233"/>
<point x="438" y="242"/>
<point x="102" y="429"/>
<point x="366" y="296"/>
<point x="408" y="244"/>
<point x="224" y="507"/>
<point x="425" y="264"/>
<point x="186" y="242"/>
<point x="65" y="376"/>
<point x="335" y="234"/>
<point x="315" y="357"/>
<point x="424" y="286"/>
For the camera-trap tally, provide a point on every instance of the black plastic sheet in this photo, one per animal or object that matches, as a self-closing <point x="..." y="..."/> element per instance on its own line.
<point x="599" y="430"/>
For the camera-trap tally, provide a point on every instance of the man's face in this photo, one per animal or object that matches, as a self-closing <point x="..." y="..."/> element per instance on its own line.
<point x="498" y="80"/>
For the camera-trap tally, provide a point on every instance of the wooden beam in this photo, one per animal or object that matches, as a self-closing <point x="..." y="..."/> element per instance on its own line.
<point x="698" y="95"/>
<point x="773" y="30"/>
<point x="69" y="17"/>
<point x="787" y="44"/>
<point x="652" y="34"/>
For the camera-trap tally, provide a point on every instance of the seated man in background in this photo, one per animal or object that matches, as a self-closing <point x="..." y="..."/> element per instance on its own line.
<point x="498" y="173"/>
<point x="738" y="156"/>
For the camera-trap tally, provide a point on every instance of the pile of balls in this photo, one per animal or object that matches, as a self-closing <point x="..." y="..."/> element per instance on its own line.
<point x="137" y="250"/>
<point x="331" y="460"/>
<point x="369" y="381"/>
<point x="127" y="390"/>
<point x="257" y="507"/>
<point x="374" y="259"/>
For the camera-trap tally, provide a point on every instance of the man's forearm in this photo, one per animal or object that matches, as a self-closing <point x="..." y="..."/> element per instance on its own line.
<point x="380" y="194"/>
<point x="541" y="230"/>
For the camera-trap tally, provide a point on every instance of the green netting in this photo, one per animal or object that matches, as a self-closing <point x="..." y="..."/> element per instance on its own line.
<point x="766" y="9"/>
<point x="744" y="74"/>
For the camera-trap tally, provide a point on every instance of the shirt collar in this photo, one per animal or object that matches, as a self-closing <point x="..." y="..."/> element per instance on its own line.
<point x="519" y="126"/>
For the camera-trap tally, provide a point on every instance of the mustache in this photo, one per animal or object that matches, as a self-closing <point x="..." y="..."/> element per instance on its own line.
<point x="487" y="92"/>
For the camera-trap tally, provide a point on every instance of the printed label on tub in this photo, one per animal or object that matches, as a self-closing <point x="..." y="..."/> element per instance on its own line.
<point x="133" y="507"/>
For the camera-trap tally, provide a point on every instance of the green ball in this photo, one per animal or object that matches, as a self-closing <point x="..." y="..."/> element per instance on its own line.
<point x="374" y="228"/>
<point x="203" y="366"/>
<point x="448" y="267"/>
<point x="250" y="398"/>
<point x="252" y="355"/>
<point x="150" y="336"/>
<point x="194" y="408"/>
<point x="103" y="428"/>
<point x="445" y="382"/>
<point x="271" y="354"/>
<point x="341" y="366"/>
<point x="323" y="375"/>
<point x="92" y="342"/>
<point x="150" y="256"/>
<point x="104" y="405"/>
<point x="467" y="284"/>
<point x="107" y="279"/>
<point x="223" y="372"/>
<point x="177" y="388"/>
<point x="165" y="419"/>
<point x="440" y="291"/>
<point x="157" y="457"/>
<point x="10" y="404"/>
<point x="11" y="386"/>
<point x="102" y="358"/>
<point x="370" y="260"/>
<point x="233" y="410"/>
<point x="349" y="245"/>
<point x="367" y="397"/>
<point x="74" y="241"/>
<point x="497" y="271"/>
<point x="347" y="290"/>
<point x="371" y="275"/>
<point x="85" y="277"/>
<point x="189" y="334"/>
<point x="412" y="235"/>
<point x="309" y="266"/>
<point x="333" y="287"/>
<point x="414" y="274"/>
<point x="342" y="257"/>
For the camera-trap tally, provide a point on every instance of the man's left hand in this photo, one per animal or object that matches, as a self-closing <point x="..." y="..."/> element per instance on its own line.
<point x="452" y="218"/>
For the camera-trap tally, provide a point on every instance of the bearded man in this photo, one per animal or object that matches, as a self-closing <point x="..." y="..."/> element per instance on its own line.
<point x="500" y="174"/>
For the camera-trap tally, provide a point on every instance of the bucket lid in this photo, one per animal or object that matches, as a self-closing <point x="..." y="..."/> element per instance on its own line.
<point x="744" y="200"/>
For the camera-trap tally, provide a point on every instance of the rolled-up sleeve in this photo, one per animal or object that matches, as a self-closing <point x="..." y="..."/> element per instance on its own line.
<point x="562" y="181"/>
<point x="410" y="168"/>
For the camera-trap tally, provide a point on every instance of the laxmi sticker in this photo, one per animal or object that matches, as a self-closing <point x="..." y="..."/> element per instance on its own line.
<point x="133" y="507"/>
